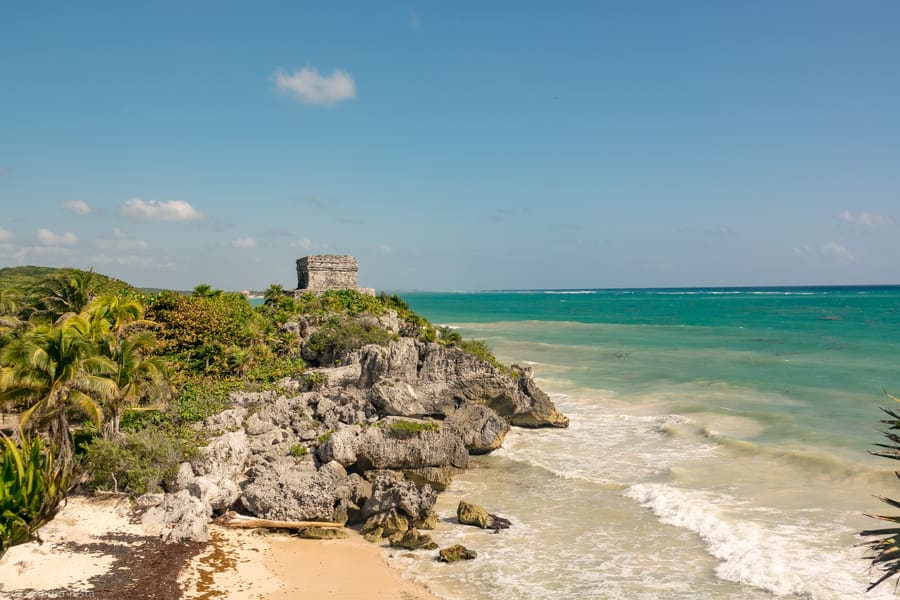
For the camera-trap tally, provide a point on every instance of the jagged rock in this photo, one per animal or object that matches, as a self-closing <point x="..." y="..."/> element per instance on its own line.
<point x="340" y="446"/>
<point x="178" y="518"/>
<point x="455" y="553"/>
<point x="249" y="399"/>
<point x="386" y="524"/>
<point x="374" y="536"/>
<point x="429" y="522"/>
<point x="225" y="421"/>
<point x="184" y="476"/>
<point x="218" y="493"/>
<point x="542" y="412"/>
<point x="380" y="447"/>
<point x="409" y="377"/>
<point x="223" y="457"/>
<point x="480" y="428"/>
<point x="390" y="321"/>
<point x="438" y="478"/>
<point x="388" y="493"/>
<point x="360" y="489"/>
<point x="322" y="533"/>
<point x="287" y="491"/>
<point x="149" y="500"/>
<point x="472" y="514"/>
<point x="412" y="539"/>
<point x="338" y="377"/>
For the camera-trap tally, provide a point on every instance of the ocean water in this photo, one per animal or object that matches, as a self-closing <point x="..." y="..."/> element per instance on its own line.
<point x="717" y="447"/>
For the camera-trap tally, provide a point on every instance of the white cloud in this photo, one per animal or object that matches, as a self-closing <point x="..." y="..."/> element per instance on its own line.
<point x="6" y="236"/>
<point x="154" y="210"/>
<point x="48" y="238"/>
<point x="310" y="87"/>
<point x="120" y="241"/>
<point x="414" y="20"/>
<point x="77" y="207"/>
<point x="247" y="242"/>
<point x="305" y="243"/>
<point x="386" y="248"/>
<point x="865" y="218"/>
<point x="837" y="251"/>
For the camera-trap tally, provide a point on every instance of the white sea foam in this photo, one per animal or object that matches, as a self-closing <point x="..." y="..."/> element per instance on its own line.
<point x="781" y="553"/>
<point x="613" y="449"/>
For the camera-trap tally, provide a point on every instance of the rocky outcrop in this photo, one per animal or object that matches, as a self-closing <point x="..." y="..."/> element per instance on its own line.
<point x="286" y="491"/>
<point x="401" y="495"/>
<point x="472" y="514"/>
<point x="409" y="377"/>
<point x="369" y="441"/>
<point x="412" y="539"/>
<point x="455" y="553"/>
<point x="179" y="517"/>
<point x="480" y="428"/>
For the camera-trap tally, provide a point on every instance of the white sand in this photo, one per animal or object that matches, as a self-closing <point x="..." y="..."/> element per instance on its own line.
<point x="238" y="563"/>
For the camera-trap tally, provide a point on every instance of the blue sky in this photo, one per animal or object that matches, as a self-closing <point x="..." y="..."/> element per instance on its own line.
<point x="454" y="145"/>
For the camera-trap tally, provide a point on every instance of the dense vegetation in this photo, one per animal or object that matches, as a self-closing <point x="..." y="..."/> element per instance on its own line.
<point x="115" y="380"/>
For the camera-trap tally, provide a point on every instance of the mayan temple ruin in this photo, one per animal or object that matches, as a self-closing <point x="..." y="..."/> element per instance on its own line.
<point x="322" y="272"/>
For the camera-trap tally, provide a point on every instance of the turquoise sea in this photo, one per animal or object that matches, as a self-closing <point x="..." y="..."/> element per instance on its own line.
<point x="717" y="448"/>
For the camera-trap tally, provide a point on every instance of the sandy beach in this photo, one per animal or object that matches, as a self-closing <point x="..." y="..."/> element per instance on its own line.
<point x="95" y="548"/>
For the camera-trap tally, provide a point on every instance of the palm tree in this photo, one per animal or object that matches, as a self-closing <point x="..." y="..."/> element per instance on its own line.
<point x="204" y="290"/>
<point x="9" y="309"/>
<point x="63" y="294"/>
<point x="885" y="549"/>
<point x="9" y="301"/>
<point x="274" y="294"/>
<point x="51" y="368"/>
<point x="112" y="317"/>
<point x="138" y="375"/>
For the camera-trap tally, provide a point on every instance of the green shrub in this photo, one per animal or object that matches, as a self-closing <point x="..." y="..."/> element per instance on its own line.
<point x="336" y="338"/>
<point x="479" y="349"/>
<point x="315" y="380"/>
<point x="141" y="462"/>
<point x="450" y="337"/>
<point x="324" y="437"/>
<point x="408" y="429"/>
<point x="32" y="489"/>
<point x="299" y="450"/>
<point x="277" y="368"/>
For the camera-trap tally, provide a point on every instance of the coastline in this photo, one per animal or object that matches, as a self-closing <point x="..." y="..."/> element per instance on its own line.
<point x="95" y="548"/>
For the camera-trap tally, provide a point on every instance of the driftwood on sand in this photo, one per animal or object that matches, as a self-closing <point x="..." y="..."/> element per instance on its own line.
<point x="232" y="519"/>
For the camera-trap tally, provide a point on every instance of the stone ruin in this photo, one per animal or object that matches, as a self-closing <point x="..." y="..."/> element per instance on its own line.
<point x="323" y="272"/>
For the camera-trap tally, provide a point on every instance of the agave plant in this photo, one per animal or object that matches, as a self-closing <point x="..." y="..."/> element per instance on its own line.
<point x="884" y="550"/>
<point x="33" y="488"/>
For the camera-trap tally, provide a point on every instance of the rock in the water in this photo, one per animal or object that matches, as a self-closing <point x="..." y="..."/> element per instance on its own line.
<point x="413" y="539"/>
<point x="472" y="514"/>
<point x="178" y="518"/>
<point x="541" y="412"/>
<point x="455" y="553"/>
<point x="480" y="428"/>
<point x="389" y="493"/>
<point x="322" y="533"/>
